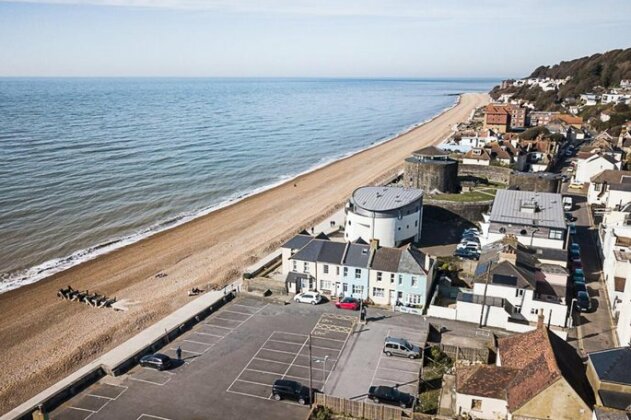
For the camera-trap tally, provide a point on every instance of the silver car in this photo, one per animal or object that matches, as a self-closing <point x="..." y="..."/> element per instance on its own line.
<point x="401" y="347"/>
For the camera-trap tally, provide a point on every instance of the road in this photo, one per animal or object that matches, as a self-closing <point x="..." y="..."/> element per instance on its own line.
<point x="595" y="328"/>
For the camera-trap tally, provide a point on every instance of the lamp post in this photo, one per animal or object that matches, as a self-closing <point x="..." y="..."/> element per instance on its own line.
<point x="323" y="361"/>
<point x="572" y="313"/>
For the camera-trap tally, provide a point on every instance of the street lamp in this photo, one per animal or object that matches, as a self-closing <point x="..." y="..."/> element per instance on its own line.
<point x="323" y="361"/>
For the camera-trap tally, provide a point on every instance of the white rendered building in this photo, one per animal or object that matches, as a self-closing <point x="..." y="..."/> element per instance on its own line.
<point x="588" y="168"/>
<point x="392" y="215"/>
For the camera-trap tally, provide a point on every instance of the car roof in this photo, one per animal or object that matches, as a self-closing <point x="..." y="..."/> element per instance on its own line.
<point x="286" y="382"/>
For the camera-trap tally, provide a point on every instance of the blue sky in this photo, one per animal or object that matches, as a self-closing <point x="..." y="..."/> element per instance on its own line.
<point x="310" y="38"/>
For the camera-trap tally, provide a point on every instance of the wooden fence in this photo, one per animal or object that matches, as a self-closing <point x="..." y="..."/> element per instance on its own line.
<point x="360" y="409"/>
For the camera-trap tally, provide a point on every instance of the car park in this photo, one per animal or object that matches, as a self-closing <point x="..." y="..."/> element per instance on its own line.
<point x="308" y="297"/>
<point x="157" y="361"/>
<point x="348" y="303"/>
<point x="291" y="390"/>
<point x="400" y="347"/>
<point x="390" y="395"/>
<point x="583" y="301"/>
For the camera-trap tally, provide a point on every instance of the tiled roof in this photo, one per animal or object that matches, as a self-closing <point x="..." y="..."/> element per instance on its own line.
<point x="430" y="151"/>
<point x="356" y="255"/>
<point x="542" y="358"/>
<point x="612" y="176"/>
<point x="570" y="119"/>
<point x="386" y="259"/>
<point x="497" y="109"/>
<point x="482" y="154"/>
<point x="488" y="381"/>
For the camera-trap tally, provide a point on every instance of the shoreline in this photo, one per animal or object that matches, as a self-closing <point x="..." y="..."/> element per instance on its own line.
<point x="210" y="249"/>
<point x="49" y="268"/>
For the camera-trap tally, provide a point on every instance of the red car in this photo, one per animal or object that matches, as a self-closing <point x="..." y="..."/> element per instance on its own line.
<point x="348" y="303"/>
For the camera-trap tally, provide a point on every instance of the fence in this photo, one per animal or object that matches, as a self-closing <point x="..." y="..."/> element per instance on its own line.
<point x="360" y="409"/>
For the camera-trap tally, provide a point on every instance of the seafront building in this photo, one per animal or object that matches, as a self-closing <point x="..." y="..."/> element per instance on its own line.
<point x="431" y="170"/>
<point x="391" y="215"/>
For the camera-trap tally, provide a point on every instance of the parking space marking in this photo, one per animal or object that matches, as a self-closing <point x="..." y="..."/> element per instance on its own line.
<point x="196" y="342"/>
<point x="210" y="335"/>
<point x="100" y="396"/>
<point x="218" y="326"/>
<point x="151" y="416"/>
<point x="151" y="382"/>
<point x="82" y="409"/>
<point x="235" y="312"/>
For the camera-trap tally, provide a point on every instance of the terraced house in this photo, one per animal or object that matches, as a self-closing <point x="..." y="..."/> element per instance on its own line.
<point x="387" y="276"/>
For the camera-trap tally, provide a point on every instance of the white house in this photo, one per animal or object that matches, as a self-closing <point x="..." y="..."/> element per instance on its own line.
<point x="591" y="166"/>
<point x="610" y="188"/>
<point x="614" y="98"/>
<point x="535" y="218"/>
<point x="477" y="156"/>
<point x="391" y="215"/>
<point x="615" y="236"/>
<point x="481" y="391"/>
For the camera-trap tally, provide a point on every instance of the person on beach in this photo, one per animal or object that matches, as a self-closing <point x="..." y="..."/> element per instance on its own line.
<point x="178" y="352"/>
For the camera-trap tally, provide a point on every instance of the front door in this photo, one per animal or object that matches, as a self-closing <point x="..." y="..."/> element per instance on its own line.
<point x="393" y="297"/>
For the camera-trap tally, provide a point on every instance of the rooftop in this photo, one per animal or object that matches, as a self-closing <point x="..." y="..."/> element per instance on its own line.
<point x="528" y="208"/>
<point x="385" y="198"/>
<point x="488" y="381"/>
<point x="430" y="151"/>
<point x="613" y="365"/>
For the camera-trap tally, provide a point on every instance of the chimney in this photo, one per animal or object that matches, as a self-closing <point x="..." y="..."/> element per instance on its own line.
<point x="374" y="245"/>
<point x="509" y="254"/>
<point x="540" y="319"/>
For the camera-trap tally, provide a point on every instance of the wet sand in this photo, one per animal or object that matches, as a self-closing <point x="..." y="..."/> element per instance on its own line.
<point x="44" y="338"/>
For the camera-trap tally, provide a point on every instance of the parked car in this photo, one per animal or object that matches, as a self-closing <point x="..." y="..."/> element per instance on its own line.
<point x="390" y="395"/>
<point x="577" y="264"/>
<point x="468" y="244"/>
<point x="572" y="228"/>
<point x="575" y="186"/>
<point x="400" y="347"/>
<point x="583" y="302"/>
<point x="471" y="231"/>
<point x="348" y="303"/>
<point x="308" y="297"/>
<point x="575" y="250"/>
<point x="156" y="361"/>
<point x="567" y="203"/>
<point x="578" y="278"/>
<point x="467" y="254"/>
<point x="292" y="390"/>
<point x="569" y="217"/>
<point x="580" y="287"/>
<point x="470" y="238"/>
<point x="580" y="272"/>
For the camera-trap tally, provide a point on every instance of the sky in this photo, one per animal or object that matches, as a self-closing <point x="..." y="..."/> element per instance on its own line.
<point x="303" y="38"/>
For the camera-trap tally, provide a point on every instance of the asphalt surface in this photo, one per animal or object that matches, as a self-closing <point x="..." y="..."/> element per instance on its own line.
<point x="229" y="363"/>
<point x="595" y="328"/>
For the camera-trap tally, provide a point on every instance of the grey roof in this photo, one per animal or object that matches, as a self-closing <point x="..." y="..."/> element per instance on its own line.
<point x="298" y="241"/>
<point x="613" y="365"/>
<point x="321" y="250"/>
<point x="386" y="259"/>
<point x="553" y="254"/>
<point x="356" y="255"/>
<point x="412" y="261"/>
<point x="384" y="198"/>
<point x="507" y="209"/>
<point x="604" y="413"/>
<point x="613" y="399"/>
<point x="430" y="151"/>
<point x="507" y="274"/>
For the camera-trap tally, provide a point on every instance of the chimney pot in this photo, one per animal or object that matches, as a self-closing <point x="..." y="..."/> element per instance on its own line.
<point x="540" y="319"/>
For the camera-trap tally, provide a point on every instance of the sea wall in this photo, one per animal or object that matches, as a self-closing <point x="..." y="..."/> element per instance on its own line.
<point x="492" y="173"/>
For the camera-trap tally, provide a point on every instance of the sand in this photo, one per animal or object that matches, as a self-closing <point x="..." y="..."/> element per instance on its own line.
<point x="44" y="338"/>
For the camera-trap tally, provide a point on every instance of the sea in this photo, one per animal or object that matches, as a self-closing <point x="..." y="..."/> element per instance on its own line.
<point x="90" y="165"/>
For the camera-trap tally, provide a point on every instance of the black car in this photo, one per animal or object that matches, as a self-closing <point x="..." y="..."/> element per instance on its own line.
<point x="390" y="395"/>
<point x="284" y="388"/>
<point x="157" y="361"/>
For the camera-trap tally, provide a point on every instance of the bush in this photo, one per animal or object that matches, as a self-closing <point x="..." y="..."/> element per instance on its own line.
<point x="322" y="413"/>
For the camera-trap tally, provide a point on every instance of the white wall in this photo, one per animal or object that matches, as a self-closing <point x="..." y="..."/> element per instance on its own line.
<point x="476" y="162"/>
<point x="491" y="408"/>
<point x="383" y="284"/>
<point x="390" y="231"/>
<point x="488" y="237"/>
<point x="332" y="276"/>
<point x="588" y="168"/>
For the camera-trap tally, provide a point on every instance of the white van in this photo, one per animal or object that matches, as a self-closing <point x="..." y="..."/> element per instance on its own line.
<point x="567" y="203"/>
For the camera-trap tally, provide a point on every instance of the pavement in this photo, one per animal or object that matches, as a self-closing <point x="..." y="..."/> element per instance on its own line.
<point x="595" y="329"/>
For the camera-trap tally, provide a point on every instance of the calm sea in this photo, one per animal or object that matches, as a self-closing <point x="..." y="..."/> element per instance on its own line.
<point x="88" y="165"/>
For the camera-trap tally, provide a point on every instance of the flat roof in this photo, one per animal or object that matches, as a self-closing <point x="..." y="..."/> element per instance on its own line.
<point x="517" y="207"/>
<point x="385" y="198"/>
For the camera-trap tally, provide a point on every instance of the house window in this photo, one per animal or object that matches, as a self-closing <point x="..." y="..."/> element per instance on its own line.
<point x="379" y="275"/>
<point x="305" y="267"/>
<point x="519" y="292"/>
<point x="325" y="269"/>
<point x="345" y="271"/>
<point x="326" y="285"/>
<point x="597" y="187"/>
<point x="378" y="292"/>
<point x="358" y="273"/>
<point x="413" y="282"/>
<point x="344" y="287"/>
<point x="392" y="278"/>
<point x="400" y="279"/>
<point x="358" y="289"/>
<point x="476" y="404"/>
<point x="555" y="234"/>
<point x="337" y="270"/>
<point x="295" y="265"/>
<point x="533" y="311"/>
<point x="416" y="223"/>
<point x="414" y="299"/>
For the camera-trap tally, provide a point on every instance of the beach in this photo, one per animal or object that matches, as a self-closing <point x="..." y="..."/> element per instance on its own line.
<point x="45" y="338"/>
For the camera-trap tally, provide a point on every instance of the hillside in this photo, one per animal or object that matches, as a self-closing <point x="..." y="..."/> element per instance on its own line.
<point x="588" y="74"/>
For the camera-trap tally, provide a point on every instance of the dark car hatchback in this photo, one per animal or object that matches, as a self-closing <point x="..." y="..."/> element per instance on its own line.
<point x="390" y="395"/>
<point x="157" y="361"/>
<point x="291" y="390"/>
